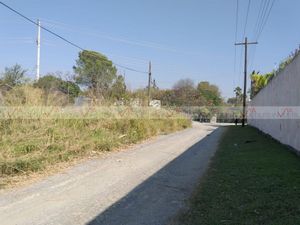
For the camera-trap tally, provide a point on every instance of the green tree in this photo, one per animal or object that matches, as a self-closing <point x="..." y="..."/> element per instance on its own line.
<point x="167" y="97"/>
<point x="70" y="88"/>
<point x="210" y="92"/>
<point x="259" y="81"/>
<point x="51" y="83"/>
<point x="238" y="92"/>
<point x="184" y="93"/>
<point x="238" y="97"/>
<point x="232" y="101"/>
<point x="118" y="90"/>
<point x="48" y="82"/>
<point x="13" y="76"/>
<point x="96" y="72"/>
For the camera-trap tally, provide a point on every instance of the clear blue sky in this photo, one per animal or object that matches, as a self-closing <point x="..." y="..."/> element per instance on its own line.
<point x="183" y="38"/>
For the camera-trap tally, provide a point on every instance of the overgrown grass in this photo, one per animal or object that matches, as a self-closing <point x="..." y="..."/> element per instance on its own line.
<point x="252" y="180"/>
<point x="32" y="142"/>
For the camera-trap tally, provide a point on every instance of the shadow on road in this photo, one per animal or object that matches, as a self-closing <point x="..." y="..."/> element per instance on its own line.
<point x="158" y="199"/>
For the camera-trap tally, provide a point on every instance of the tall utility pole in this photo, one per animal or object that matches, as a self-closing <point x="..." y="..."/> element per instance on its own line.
<point x="38" y="42"/>
<point x="149" y="84"/>
<point x="246" y="43"/>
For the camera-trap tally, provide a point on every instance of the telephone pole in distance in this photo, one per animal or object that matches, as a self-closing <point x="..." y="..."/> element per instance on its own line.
<point x="149" y="84"/>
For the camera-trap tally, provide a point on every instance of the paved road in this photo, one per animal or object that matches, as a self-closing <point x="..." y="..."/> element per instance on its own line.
<point x="146" y="184"/>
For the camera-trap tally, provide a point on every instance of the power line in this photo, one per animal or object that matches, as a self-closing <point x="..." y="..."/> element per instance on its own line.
<point x="263" y="15"/>
<point x="42" y="27"/>
<point x="245" y="28"/>
<point x="236" y="32"/>
<point x="260" y="12"/>
<point x="257" y="25"/>
<point x="62" y="38"/>
<point x="266" y="20"/>
<point x="261" y="22"/>
<point x="140" y="43"/>
<point x="247" y="15"/>
<point x="236" y="19"/>
<point x="130" y="69"/>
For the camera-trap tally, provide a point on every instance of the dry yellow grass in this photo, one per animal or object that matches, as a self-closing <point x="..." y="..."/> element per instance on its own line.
<point x="35" y="138"/>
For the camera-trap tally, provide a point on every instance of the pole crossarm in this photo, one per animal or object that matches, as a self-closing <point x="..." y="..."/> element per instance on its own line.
<point x="248" y="43"/>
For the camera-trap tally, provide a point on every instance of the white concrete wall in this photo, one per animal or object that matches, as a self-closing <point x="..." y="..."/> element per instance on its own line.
<point x="283" y="90"/>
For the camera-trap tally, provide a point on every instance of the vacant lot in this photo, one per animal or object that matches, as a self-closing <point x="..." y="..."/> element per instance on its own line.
<point x="37" y="138"/>
<point x="252" y="180"/>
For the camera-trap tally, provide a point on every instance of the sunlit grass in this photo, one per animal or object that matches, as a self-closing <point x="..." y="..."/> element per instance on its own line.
<point x="34" y="140"/>
<point x="253" y="179"/>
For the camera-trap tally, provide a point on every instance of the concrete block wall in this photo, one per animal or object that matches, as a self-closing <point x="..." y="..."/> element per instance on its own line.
<point x="283" y="90"/>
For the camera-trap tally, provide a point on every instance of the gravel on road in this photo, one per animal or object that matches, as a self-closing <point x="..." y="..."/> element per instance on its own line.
<point x="146" y="184"/>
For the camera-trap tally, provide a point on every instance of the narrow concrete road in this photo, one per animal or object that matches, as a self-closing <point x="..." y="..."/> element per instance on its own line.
<point x="146" y="184"/>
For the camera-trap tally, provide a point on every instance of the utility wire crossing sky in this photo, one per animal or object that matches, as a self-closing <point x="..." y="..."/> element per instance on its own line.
<point x="193" y="39"/>
<point x="59" y="36"/>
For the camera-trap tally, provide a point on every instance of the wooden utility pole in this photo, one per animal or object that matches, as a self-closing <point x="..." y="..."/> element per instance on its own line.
<point x="149" y="84"/>
<point x="246" y="43"/>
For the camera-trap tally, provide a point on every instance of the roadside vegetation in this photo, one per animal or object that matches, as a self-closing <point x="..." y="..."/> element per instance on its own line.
<point x="41" y="126"/>
<point x="253" y="179"/>
<point x="67" y="116"/>
<point x="45" y="137"/>
<point x="36" y="137"/>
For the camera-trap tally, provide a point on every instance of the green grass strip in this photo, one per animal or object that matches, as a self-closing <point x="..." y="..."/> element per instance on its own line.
<point x="253" y="179"/>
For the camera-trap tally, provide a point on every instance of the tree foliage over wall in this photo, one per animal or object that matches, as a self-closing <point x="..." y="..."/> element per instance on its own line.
<point x="259" y="81"/>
